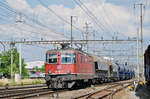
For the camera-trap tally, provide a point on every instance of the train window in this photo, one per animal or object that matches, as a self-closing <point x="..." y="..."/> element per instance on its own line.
<point x="68" y="58"/>
<point x="81" y="59"/>
<point x="74" y="58"/>
<point x="90" y="60"/>
<point x="52" y="58"/>
<point x="85" y="59"/>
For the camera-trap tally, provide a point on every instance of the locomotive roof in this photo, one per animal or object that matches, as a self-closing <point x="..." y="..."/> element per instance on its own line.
<point x="67" y="50"/>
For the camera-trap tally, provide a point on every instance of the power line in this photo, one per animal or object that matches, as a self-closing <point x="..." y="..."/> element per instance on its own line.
<point x="92" y="16"/>
<point x="30" y="19"/>
<point x="107" y="15"/>
<point x="101" y="28"/>
<point x="58" y="15"/>
<point x="145" y="7"/>
<point x="34" y="32"/>
<point x="16" y="12"/>
<point x="43" y="29"/>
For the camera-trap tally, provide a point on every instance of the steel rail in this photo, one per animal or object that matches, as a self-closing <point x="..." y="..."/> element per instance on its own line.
<point x="106" y="92"/>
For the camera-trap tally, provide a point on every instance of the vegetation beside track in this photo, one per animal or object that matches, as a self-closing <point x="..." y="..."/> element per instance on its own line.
<point x="4" y="82"/>
<point x="5" y="64"/>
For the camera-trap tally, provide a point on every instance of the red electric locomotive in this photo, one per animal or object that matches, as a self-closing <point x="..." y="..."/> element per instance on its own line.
<point x="69" y="68"/>
<point x="66" y="68"/>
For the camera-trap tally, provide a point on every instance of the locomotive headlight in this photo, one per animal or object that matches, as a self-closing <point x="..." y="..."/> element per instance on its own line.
<point x="49" y="72"/>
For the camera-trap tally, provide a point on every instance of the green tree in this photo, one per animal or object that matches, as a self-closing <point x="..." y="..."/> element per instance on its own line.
<point x="36" y="68"/>
<point x="6" y="63"/>
<point x="43" y="69"/>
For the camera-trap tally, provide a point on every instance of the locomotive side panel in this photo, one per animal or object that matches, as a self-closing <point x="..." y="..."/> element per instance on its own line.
<point x="84" y="64"/>
<point x="67" y="68"/>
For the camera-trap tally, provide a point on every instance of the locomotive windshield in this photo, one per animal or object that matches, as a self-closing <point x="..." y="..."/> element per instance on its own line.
<point x="52" y="58"/>
<point x="68" y="58"/>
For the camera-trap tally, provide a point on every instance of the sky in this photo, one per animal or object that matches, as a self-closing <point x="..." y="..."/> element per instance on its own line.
<point x="50" y="20"/>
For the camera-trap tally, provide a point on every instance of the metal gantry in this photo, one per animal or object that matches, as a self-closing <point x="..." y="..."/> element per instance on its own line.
<point x="69" y="41"/>
<point x="47" y="42"/>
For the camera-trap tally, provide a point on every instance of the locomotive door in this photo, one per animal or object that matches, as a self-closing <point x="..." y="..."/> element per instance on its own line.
<point x="77" y="63"/>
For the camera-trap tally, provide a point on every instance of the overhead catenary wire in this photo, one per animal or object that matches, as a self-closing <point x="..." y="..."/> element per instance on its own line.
<point x="43" y="29"/>
<point x="16" y="12"/>
<point x="8" y="8"/>
<point x="113" y="26"/>
<point x="6" y="12"/>
<point x="93" y="17"/>
<point x="32" y="32"/>
<point x="101" y="28"/>
<point x="28" y="18"/>
<point x="58" y="15"/>
<point x="145" y="9"/>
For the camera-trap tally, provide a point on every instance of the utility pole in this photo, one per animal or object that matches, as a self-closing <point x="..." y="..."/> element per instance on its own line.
<point x="71" y="30"/>
<point x="141" y="33"/>
<point x="87" y="33"/>
<point x="137" y="54"/>
<point x="94" y="39"/>
<point x="20" y="51"/>
<point x="12" y="60"/>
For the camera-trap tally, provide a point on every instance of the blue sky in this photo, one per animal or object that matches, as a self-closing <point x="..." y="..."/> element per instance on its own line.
<point x="67" y="3"/>
<point x="113" y="17"/>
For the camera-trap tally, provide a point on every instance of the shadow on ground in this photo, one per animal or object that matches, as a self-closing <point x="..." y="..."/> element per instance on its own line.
<point x="143" y="91"/>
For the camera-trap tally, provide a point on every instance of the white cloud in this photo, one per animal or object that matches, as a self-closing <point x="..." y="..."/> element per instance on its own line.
<point x="118" y="18"/>
<point x="20" y="5"/>
<point x="113" y="17"/>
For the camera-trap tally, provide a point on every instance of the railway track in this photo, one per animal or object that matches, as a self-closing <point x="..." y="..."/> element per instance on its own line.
<point x="7" y="87"/>
<point x="34" y="91"/>
<point x="106" y="93"/>
<point x="24" y="92"/>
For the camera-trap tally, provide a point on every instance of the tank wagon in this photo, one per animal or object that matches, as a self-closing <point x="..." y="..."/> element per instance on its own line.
<point x="147" y="64"/>
<point x="69" y="68"/>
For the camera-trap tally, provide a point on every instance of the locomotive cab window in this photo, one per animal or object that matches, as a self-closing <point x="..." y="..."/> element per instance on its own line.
<point x="86" y="59"/>
<point x="52" y="58"/>
<point x="68" y="58"/>
<point x="74" y="58"/>
<point x="81" y="59"/>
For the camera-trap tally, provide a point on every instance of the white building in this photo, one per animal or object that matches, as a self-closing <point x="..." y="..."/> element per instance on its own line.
<point x="34" y="64"/>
